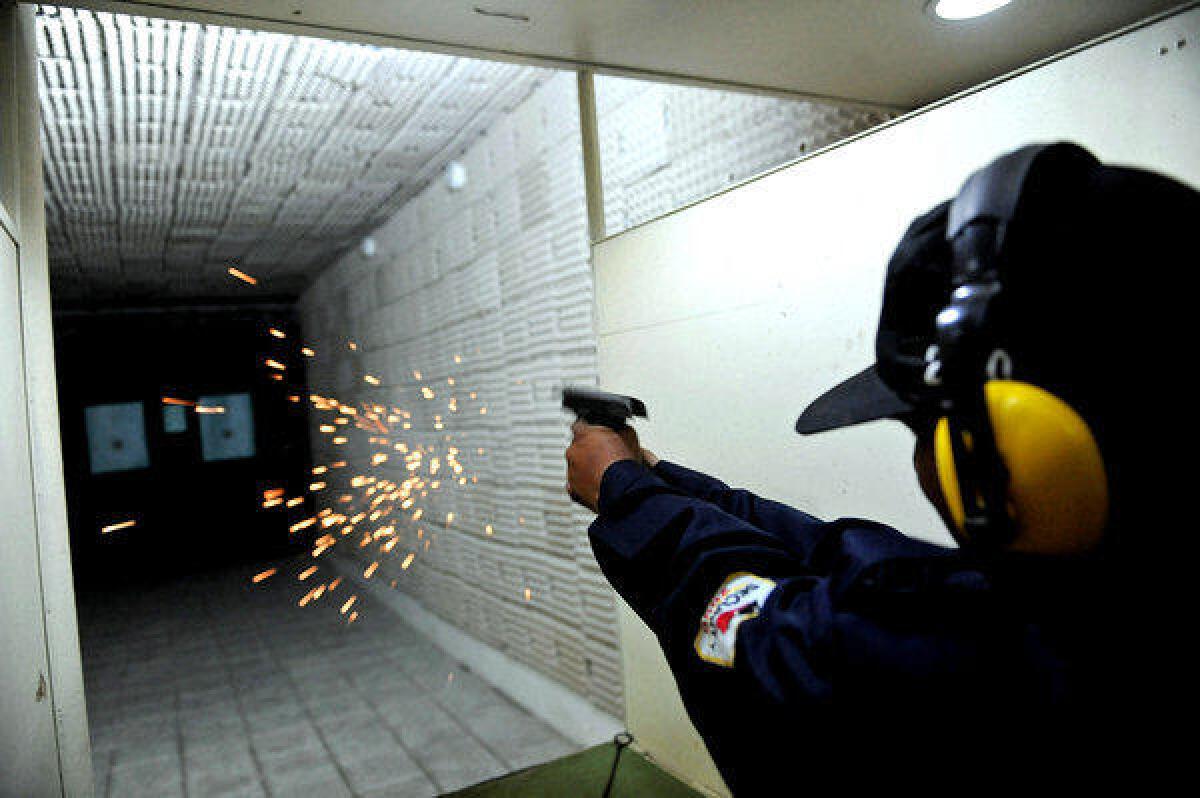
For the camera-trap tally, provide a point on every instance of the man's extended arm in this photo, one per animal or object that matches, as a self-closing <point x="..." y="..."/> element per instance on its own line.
<point x="760" y="624"/>
<point x="799" y="527"/>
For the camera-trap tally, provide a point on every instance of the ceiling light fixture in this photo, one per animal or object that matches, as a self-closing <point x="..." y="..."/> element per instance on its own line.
<point x="456" y="175"/>
<point x="958" y="10"/>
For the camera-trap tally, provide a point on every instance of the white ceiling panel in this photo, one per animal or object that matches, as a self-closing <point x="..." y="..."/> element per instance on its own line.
<point x="174" y="150"/>
<point x="885" y="52"/>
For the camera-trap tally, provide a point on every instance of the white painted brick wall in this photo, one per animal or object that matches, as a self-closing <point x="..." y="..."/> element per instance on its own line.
<point x="499" y="274"/>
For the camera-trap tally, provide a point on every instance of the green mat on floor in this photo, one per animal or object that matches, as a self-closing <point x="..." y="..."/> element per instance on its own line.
<point x="584" y="775"/>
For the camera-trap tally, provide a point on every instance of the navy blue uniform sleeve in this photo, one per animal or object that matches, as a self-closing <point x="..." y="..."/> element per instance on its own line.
<point x="802" y="529"/>
<point x="662" y="547"/>
<point x="855" y="612"/>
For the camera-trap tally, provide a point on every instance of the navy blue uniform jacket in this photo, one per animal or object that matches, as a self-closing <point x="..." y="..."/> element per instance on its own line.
<point x="863" y="634"/>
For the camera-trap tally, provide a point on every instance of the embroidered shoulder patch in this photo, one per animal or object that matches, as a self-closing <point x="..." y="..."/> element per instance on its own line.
<point x="740" y="598"/>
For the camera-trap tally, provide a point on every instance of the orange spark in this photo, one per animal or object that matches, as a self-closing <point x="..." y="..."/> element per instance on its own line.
<point x="278" y="333"/>
<point x="267" y="574"/>
<point x="241" y="275"/>
<point x="316" y="486"/>
<point x="307" y="352"/>
<point x="209" y="409"/>
<point x="307" y="522"/>
<point x="408" y="561"/>
<point x="528" y="594"/>
<point x="170" y="400"/>
<point x="275" y="364"/>
<point x="295" y="501"/>
<point x="349" y="603"/>
<point x="307" y="572"/>
<point x="370" y="379"/>
<point x="353" y="346"/>
<point x="269" y="503"/>
<point x="371" y="569"/>
<point x="319" y="470"/>
<point x="121" y="525"/>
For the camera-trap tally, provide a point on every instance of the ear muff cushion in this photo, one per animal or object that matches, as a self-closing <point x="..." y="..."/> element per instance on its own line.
<point x="1058" y="490"/>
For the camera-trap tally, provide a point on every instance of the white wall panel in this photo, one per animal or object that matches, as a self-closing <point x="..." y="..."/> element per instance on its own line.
<point x="44" y="747"/>
<point x="730" y="316"/>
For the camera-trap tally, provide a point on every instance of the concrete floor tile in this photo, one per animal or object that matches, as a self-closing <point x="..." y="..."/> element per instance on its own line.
<point x="370" y="739"/>
<point x="422" y="725"/>
<point x="337" y="720"/>
<point x="384" y="770"/>
<point x="100" y="774"/>
<point x="232" y="753"/>
<point x="459" y="762"/>
<point x="332" y="705"/>
<point x="152" y="779"/>
<point x="286" y="740"/>
<point x="270" y="716"/>
<point x="165" y="750"/>
<point x="215" y="777"/>
<point x="202" y="729"/>
<point x="426" y="790"/>
<point x="468" y="694"/>
<point x="322" y="781"/>
<point x="136" y="730"/>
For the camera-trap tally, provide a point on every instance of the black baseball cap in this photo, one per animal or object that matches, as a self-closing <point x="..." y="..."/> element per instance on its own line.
<point x="1084" y="244"/>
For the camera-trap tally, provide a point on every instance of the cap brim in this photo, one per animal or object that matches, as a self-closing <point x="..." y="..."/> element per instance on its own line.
<point x="863" y="397"/>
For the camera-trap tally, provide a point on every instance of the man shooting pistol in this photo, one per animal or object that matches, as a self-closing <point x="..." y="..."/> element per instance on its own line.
<point x="842" y="648"/>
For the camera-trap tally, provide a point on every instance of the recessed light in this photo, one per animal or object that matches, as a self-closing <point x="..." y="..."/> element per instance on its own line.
<point x="957" y="10"/>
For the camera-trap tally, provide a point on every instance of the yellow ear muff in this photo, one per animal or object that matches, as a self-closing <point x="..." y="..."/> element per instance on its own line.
<point x="1058" y="490"/>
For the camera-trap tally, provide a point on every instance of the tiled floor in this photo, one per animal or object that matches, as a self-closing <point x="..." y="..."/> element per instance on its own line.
<point x="213" y="686"/>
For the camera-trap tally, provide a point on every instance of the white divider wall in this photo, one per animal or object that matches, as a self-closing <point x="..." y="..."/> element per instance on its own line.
<point x="729" y="316"/>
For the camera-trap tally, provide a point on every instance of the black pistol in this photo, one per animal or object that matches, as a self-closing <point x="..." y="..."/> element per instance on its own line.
<point x="611" y="410"/>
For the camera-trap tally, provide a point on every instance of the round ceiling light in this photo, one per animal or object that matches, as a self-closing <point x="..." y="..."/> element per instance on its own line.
<point x="956" y="10"/>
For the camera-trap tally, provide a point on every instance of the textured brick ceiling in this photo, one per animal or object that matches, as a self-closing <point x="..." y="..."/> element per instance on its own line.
<point x="176" y="150"/>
